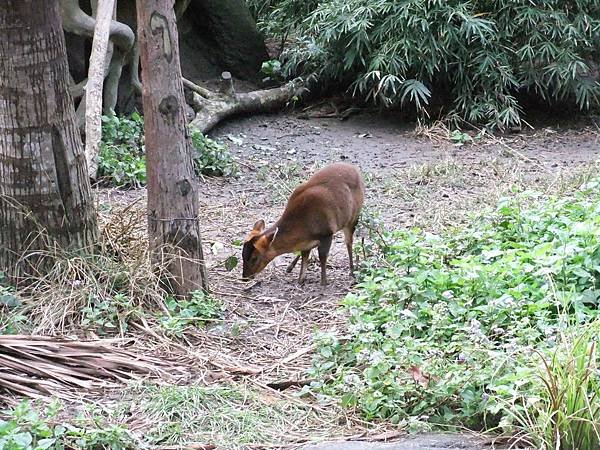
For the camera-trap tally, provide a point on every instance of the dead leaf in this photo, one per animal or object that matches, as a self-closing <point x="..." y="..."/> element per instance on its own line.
<point x="420" y="377"/>
<point x="37" y="366"/>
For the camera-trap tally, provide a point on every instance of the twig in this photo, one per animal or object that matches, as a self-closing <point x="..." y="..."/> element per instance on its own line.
<point x="206" y="93"/>
<point x="286" y="384"/>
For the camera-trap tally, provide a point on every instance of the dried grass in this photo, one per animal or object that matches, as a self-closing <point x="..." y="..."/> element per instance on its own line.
<point x="438" y="194"/>
<point x="230" y="415"/>
<point x="55" y="301"/>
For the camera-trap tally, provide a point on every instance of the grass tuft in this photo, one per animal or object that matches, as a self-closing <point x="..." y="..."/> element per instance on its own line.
<point x="99" y="291"/>
<point x="233" y="417"/>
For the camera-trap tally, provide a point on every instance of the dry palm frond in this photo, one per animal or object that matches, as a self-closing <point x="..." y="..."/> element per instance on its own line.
<point x="37" y="366"/>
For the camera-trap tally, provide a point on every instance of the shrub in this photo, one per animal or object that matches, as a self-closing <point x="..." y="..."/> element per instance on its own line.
<point x="439" y="326"/>
<point x="26" y="428"/>
<point x="475" y="57"/>
<point x="280" y="17"/>
<point x="122" y="160"/>
<point x="212" y="158"/>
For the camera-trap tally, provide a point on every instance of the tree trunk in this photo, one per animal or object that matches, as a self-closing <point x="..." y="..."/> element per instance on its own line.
<point x="76" y="21"/>
<point x="45" y="196"/>
<point x="173" y="223"/>
<point x="93" y="98"/>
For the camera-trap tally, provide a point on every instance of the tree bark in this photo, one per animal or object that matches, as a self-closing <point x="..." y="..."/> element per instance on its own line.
<point x="78" y="22"/>
<point x="93" y="98"/>
<point x="173" y="223"/>
<point x="45" y="195"/>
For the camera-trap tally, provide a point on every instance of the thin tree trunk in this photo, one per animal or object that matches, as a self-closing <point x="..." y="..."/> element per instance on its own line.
<point x="45" y="196"/>
<point x="80" y="23"/>
<point x="93" y="99"/>
<point x="173" y="223"/>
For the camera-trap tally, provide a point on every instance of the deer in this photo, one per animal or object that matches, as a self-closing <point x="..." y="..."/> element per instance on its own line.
<point x="330" y="201"/>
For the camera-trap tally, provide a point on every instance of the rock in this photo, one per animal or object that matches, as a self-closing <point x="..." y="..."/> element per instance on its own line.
<point x="428" y="441"/>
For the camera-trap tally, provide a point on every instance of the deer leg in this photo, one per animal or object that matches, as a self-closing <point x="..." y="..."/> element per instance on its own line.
<point x="349" y="238"/>
<point x="292" y="264"/>
<point x="324" y="247"/>
<point x="303" y="265"/>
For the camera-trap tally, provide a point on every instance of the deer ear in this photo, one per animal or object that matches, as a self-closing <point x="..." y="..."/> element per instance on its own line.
<point x="264" y="241"/>
<point x="259" y="225"/>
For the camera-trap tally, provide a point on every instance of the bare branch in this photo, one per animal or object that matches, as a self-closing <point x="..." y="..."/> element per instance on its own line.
<point x="197" y="89"/>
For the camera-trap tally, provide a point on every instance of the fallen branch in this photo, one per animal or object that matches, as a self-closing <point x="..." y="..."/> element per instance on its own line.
<point x="197" y="89"/>
<point x="386" y="436"/>
<point x="39" y="366"/>
<point x="341" y="115"/>
<point x="286" y="384"/>
<point x="213" y="107"/>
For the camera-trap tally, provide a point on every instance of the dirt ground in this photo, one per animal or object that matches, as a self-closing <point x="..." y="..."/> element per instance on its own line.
<point x="413" y="178"/>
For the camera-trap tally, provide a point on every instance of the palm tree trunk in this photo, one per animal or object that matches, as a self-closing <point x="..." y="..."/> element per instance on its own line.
<point x="45" y="195"/>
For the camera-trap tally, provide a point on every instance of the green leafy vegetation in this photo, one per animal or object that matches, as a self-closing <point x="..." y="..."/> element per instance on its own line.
<point x="109" y="315"/>
<point x="196" y="311"/>
<point x="122" y="159"/>
<point x="212" y="158"/>
<point x="272" y="69"/>
<point x="446" y="328"/>
<point x="12" y="321"/>
<point x="280" y="17"/>
<point x="26" y="428"/>
<point x="459" y="138"/>
<point x="477" y="58"/>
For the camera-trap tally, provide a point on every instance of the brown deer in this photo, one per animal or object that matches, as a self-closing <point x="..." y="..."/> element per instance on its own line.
<point x="329" y="201"/>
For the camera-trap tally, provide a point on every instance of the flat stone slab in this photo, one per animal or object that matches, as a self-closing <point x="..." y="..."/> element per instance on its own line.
<point x="427" y="441"/>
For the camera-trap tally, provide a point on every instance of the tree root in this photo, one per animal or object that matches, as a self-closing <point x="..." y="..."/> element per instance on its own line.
<point x="212" y="107"/>
<point x="78" y="22"/>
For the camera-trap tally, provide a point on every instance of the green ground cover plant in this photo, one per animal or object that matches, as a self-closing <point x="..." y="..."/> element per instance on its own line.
<point x="452" y="328"/>
<point x="194" y="312"/>
<point x="27" y="427"/>
<point x="122" y="159"/>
